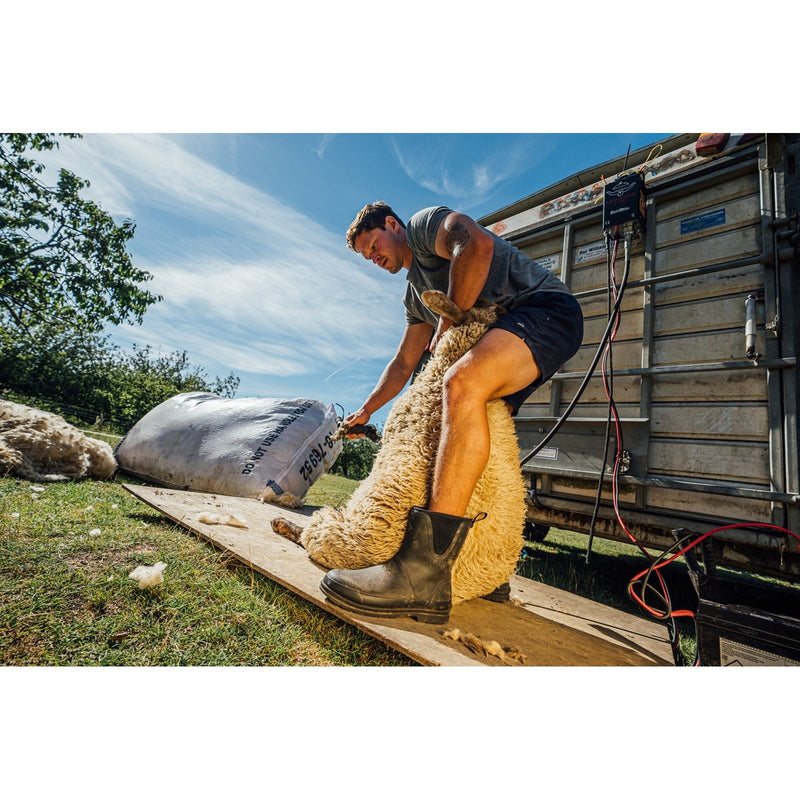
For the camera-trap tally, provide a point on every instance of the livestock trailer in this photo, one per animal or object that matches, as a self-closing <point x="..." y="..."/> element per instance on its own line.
<point x="704" y="369"/>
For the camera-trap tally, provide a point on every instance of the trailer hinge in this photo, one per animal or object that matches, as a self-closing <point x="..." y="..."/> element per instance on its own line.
<point x="773" y="328"/>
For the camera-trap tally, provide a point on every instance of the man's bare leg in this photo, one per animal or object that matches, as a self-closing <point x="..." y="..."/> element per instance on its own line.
<point x="499" y="365"/>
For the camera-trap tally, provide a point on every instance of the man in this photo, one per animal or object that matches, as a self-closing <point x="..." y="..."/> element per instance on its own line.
<point x="542" y="329"/>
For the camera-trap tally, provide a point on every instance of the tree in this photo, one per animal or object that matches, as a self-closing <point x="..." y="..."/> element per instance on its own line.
<point x="356" y="459"/>
<point x="62" y="258"/>
<point x="84" y="375"/>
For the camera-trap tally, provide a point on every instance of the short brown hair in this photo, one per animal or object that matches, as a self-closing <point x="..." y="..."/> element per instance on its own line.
<point x="373" y="215"/>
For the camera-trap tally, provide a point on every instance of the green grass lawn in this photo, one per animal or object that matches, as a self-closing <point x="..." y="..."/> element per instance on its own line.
<point x="66" y="598"/>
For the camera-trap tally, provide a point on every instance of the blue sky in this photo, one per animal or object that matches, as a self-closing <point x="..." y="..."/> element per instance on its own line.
<point x="244" y="235"/>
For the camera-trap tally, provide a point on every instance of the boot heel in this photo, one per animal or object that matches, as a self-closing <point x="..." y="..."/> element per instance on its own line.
<point x="431" y="617"/>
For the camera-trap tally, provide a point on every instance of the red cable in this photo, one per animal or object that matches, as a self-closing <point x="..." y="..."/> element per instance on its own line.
<point x="658" y="567"/>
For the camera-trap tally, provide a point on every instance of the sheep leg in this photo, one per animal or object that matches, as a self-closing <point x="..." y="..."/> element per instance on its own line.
<point x="287" y="529"/>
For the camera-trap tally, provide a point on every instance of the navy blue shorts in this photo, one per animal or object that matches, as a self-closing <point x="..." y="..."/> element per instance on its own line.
<point x="551" y="324"/>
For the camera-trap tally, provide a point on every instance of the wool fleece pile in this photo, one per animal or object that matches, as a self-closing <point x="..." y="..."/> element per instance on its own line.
<point x="40" y="446"/>
<point x="370" y="528"/>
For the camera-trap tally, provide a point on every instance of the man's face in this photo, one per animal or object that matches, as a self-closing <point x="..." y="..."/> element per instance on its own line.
<point x="383" y="247"/>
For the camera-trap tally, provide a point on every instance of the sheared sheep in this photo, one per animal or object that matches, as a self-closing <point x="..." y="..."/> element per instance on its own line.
<point x="40" y="446"/>
<point x="370" y="528"/>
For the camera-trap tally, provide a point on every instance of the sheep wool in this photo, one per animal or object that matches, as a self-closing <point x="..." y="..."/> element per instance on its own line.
<point x="221" y="519"/>
<point x="40" y="446"/>
<point x="370" y="528"/>
<point x="148" y="576"/>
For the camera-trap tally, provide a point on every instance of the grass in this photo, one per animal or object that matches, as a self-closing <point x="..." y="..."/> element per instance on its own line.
<point x="66" y="599"/>
<point x="331" y="490"/>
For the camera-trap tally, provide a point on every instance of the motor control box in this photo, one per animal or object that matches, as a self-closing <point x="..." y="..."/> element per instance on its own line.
<point x="624" y="205"/>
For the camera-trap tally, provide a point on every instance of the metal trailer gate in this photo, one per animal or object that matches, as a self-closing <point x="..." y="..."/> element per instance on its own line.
<point x="709" y="428"/>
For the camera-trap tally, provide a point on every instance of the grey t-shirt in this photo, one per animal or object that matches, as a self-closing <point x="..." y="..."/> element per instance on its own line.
<point x="513" y="277"/>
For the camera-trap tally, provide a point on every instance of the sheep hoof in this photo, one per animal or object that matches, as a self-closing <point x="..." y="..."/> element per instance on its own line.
<point x="287" y="529"/>
<point x="502" y="594"/>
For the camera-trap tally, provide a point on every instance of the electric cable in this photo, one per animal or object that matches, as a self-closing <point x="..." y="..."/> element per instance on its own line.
<point x="590" y="371"/>
<point x="611" y="329"/>
<point x="663" y="595"/>
<point x="661" y="561"/>
<point x="610" y="258"/>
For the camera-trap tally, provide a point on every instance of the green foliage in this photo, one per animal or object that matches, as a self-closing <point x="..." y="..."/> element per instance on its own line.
<point x="62" y="258"/>
<point x="85" y="370"/>
<point x="356" y="459"/>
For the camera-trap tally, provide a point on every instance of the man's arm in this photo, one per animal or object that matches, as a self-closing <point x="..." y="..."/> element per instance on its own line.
<point x="469" y="249"/>
<point x="395" y="376"/>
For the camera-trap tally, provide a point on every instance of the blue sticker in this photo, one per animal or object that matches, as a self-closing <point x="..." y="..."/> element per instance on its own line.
<point x="708" y="220"/>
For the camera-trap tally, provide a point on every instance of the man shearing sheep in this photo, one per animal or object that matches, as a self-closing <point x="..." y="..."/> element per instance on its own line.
<point x="542" y="329"/>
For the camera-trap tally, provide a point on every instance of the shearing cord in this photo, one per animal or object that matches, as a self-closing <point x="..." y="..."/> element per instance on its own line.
<point x="589" y="372"/>
<point x="610" y="259"/>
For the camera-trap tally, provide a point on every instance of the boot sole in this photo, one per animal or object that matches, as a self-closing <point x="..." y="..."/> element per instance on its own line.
<point x="430" y="616"/>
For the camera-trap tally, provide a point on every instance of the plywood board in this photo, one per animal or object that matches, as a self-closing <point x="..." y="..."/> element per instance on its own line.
<point x="548" y="626"/>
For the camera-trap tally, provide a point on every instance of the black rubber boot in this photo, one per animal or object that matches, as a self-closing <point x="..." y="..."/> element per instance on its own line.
<point x="416" y="582"/>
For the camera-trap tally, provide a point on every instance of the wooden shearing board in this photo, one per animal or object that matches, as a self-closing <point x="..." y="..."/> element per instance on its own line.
<point x="549" y="626"/>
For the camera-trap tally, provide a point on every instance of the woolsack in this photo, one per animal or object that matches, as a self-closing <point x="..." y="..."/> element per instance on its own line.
<point x="370" y="528"/>
<point x="40" y="446"/>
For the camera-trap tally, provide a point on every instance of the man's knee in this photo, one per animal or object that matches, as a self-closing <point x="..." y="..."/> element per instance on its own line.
<point x="461" y="387"/>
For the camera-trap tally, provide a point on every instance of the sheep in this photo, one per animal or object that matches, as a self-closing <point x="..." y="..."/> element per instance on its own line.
<point x="370" y="528"/>
<point x="40" y="446"/>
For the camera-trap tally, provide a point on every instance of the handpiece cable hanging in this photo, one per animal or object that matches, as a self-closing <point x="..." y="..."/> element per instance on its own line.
<point x="600" y="348"/>
<point x="610" y="260"/>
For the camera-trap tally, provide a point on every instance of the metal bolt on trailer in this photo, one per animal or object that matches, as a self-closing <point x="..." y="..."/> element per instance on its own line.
<point x="704" y="361"/>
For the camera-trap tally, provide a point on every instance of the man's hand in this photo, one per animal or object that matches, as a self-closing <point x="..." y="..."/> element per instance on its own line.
<point x="360" y="417"/>
<point x="444" y="325"/>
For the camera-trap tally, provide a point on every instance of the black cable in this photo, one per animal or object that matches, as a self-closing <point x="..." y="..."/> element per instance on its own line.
<point x="560" y="421"/>
<point x="607" y="437"/>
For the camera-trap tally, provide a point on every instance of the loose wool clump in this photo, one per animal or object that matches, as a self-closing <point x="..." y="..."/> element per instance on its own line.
<point x="221" y="519"/>
<point x="370" y="528"/>
<point x="483" y="647"/>
<point x="148" y="577"/>
<point x="40" y="446"/>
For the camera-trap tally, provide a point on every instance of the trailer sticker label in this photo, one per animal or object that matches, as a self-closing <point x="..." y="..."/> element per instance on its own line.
<point x="736" y="654"/>
<point x="552" y="262"/>
<point x="548" y="452"/>
<point x="708" y="220"/>
<point x="589" y="252"/>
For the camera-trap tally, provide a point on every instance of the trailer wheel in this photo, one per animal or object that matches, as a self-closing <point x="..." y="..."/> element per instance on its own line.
<point x="535" y="531"/>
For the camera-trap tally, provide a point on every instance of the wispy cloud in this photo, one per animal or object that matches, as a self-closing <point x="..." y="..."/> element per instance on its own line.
<point x="466" y="169"/>
<point x="250" y="284"/>
<point x="341" y="369"/>
<point x="323" y="144"/>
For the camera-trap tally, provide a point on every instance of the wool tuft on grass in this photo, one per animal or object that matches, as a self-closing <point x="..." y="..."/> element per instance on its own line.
<point x="149" y="576"/>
